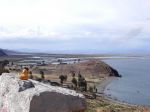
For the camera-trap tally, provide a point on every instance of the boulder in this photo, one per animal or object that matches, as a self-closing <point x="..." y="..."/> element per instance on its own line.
<point x="33" y="96"/>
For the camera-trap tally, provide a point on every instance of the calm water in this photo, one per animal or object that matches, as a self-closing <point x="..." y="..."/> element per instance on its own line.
<point x="134" y="86"/>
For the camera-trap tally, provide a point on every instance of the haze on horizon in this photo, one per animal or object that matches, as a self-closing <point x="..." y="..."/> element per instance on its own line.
<point x="79" y="26"/>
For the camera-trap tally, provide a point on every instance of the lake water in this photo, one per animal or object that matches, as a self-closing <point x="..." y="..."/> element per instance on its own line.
<point x="134" y="86"/>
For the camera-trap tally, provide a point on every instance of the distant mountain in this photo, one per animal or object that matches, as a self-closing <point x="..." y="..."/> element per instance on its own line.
<point x="6" y="52"/>
<point x="11" y="52"/>
<point x="2" y="53"/>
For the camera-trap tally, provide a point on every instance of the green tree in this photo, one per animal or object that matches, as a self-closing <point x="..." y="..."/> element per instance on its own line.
<point x="42" y="74"/>
<point x="2" y="66"/>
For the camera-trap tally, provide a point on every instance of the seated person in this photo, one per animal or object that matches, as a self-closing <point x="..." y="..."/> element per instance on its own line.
<point x="25" y="74"/>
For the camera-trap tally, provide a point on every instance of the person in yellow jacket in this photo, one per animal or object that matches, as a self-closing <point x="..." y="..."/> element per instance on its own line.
<point x="25" y="74"/>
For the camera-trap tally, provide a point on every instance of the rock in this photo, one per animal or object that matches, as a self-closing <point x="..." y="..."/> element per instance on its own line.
<point x="38" y="97"/>
<point x="114" y="72"/>
<point x="25" y="84"/>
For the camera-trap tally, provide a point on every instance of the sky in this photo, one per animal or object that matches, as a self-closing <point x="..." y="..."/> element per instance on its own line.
<point x="75" y="26"/>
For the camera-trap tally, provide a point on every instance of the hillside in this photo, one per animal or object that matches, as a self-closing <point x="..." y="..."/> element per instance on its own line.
<point x="93" y="68"/>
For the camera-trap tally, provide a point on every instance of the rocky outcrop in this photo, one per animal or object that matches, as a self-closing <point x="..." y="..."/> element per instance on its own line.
<point x="32" y="96"/>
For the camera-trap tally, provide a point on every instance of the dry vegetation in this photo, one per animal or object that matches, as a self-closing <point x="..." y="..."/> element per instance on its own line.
<point x="102" y="105"/>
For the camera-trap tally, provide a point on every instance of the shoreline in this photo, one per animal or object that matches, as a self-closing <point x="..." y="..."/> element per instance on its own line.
<point x="100" y="93"/>
<point x="101" y="86"/>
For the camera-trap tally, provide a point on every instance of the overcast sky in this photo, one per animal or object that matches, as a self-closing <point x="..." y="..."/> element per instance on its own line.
<point x="91" y="26"/>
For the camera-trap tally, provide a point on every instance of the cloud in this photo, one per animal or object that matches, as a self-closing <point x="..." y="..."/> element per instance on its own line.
<point x="69" y="24"/>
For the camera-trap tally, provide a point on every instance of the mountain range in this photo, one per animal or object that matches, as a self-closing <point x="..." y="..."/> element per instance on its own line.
<point x="2" y="53"/>
<point x="6" y="52"/>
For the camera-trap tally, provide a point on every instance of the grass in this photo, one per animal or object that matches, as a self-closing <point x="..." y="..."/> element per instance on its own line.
<point x="102" y="105"/>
